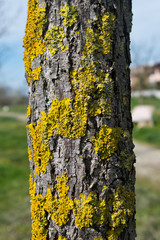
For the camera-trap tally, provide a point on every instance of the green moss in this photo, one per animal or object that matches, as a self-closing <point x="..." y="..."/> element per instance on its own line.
<point x="70" y="15"/>
<point x="122" y="47"/>
<point x="127" y="159"/>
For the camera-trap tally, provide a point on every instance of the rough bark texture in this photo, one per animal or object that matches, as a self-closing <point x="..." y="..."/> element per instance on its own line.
<point x="79" y="123"/>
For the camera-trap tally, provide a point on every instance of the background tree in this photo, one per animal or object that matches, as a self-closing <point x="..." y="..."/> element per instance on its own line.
<point x="79" y="124"/>
<point x="142" y="57"/>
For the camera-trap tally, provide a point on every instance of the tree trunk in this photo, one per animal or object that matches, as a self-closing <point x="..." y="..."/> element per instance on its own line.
<point x="79" y="123"/>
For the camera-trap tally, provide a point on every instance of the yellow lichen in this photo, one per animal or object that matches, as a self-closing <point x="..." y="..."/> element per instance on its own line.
<point x="70" y="15"/>
<point x="108" y="21"/>
<point x="105" y="142"/>
<point x="41" y="152"/>
<point x="99" y="41"/>
<point x="33" y="44"/>
<point x="124" y="100"/>
<point x="36" y="72"/>
<point x="54" y="39"/>
<point x="62" y="119"/>
<point x="83" y="212"/>
<point x="93" y="90"/>
<point x="92" y="86"/>
<point x="62" y="238"/>
<point x="36" y="18"/>
<point x="28" y="111"/>
<point x="67" y="122"/>
<point x="89" y="211"/>
<point x="97" y="238"/>
<point x="104" y="188"/>
<point x="29" y="154"/>
<point x="60" y="207"/>
<point x="91" y="44"/>
<point x="38" y="214"/>
<point x="123" y="208"/>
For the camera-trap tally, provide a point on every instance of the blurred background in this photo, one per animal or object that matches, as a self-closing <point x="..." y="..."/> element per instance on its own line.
<point x="145" y="105"/>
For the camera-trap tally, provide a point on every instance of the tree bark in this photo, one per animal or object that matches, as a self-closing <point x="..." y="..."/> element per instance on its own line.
<point x="79" y="123"/>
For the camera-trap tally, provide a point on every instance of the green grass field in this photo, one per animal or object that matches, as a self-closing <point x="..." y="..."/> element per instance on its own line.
<point x="148" y="210"/>
<point x="21" y="108"/>
<point x="146" y="101"/>
<point x="14" y="172"/>
<point x="14" y="198"/>
<point x="149" y="135"/>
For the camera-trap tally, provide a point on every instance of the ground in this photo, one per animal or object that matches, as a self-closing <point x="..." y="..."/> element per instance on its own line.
<point x="148" y="162"/>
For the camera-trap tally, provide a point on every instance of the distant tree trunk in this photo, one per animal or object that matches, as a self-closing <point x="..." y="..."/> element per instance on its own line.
<point x="79" y="123"/>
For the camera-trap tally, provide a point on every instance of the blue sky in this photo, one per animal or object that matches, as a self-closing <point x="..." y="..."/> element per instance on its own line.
<point x="144" y="38"/>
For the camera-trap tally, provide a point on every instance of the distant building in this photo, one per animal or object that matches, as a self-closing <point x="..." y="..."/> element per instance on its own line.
<point x="144" y="77"/>
<point x="139" y="77"/>
<point x="154" y="78"/>
<point x="142" y="115"/>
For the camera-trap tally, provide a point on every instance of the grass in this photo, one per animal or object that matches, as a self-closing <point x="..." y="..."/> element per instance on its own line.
<point x="18" y="108"/>
<point x="147" y="135"/>
<point x="15" y="221"/>
<point x="148" y="210"/>
<point x="21" y="108"/>
<point x="14" y="172"/>
<point x="146" y="101"/>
